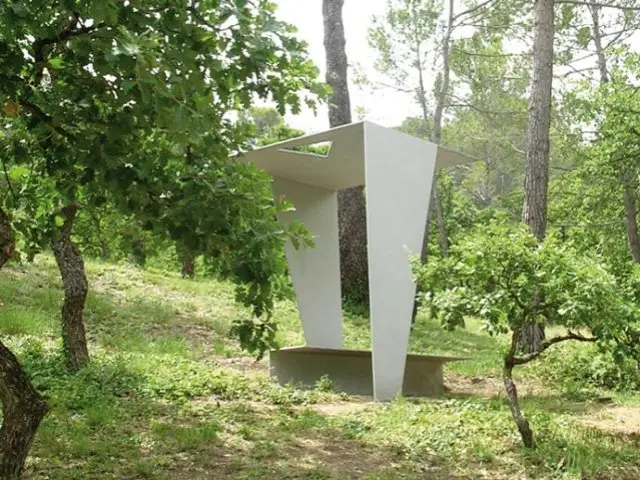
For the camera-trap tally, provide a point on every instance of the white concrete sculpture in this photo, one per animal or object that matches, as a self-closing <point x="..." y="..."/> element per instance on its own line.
<point x="397" y="171"/>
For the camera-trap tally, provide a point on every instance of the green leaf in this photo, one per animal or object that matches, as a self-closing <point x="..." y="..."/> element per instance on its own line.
<point x="15" y="173"/>
<point x="56" y="63"/>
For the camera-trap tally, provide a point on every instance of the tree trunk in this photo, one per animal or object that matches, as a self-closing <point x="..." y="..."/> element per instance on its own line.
<point x="536" y="172"/>
<point x="22" y="406"/>
<point x="443" y="94"/>
<point x="594" y="9"/>
<point x="337" y="64"/>
<point x="442" y="229"/>
<point x="104" y="244"/>
<point x="630" y="207"/>
<point x="7" y="243"/>
<point x="354" y="267"/>
<point x="424" y="253"/>
<point x="631" y="211"/>
<point x="436" y="137"/>
<point x="352" y="217"/>
<point x="512" y="394"/>
<point x="74" y="280"/>
<point x="188" y="269"/>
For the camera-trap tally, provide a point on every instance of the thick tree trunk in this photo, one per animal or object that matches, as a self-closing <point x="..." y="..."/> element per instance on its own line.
<point x="352" y="216"/>
<point x="74" y="280"/>
<point x="188" y="269"/>
<point x="22" y="406"/>
<point x="354" y="271"/>
<point x="337" y="64"/>
<point x="512" y="394"/>
<point x="536" y="173"/>
<point x="7" y="243"/>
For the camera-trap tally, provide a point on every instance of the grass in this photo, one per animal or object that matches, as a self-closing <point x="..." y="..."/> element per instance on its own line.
<point x="169" y="396"/>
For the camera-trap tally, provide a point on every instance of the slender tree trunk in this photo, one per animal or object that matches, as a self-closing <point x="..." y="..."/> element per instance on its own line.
<point x="104" y="244"/>
<point x="441" y="104"/>
<point x="74" y="280"/>
<point x="630" y="206"/>
<point x="435" y="202"/>
<point x="443" y="94"/>
<point x="512" y="393"/>
<point x="22" y="406"/>
<point x="536" y="173"/>
<point x="352" y="217"/>
<point x="594" y="9"/>
<point x="630" y="209"/>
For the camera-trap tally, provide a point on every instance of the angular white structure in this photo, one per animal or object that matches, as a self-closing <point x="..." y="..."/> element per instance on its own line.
<point x="397" y="171"/>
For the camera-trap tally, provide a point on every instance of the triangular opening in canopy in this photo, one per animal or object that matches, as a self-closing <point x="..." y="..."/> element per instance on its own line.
<point x="318" y="149"/>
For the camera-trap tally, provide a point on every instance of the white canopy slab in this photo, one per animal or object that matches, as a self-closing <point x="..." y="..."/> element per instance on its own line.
<point x="397" y="170"/>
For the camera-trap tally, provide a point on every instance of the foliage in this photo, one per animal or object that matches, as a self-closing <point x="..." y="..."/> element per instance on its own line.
<point x="498" y="271"/>
<point x="604" y="171"/>
<point x="125" y="106"/>
<point x="503" y="276"/>
<point x="576" y="368"/>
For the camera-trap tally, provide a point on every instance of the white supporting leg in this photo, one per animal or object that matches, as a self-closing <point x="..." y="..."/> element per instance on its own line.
<point x="399" y="174"/>
<point x="315" y="271"/>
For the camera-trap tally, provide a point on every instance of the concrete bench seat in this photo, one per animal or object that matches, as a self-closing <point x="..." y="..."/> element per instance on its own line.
<point x="351" y="370"/>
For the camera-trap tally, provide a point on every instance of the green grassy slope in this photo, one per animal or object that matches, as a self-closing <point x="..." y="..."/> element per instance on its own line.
<point x="169" y="396"/>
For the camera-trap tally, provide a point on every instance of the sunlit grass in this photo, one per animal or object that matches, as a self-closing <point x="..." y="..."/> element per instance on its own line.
<point x="161" y="401"/>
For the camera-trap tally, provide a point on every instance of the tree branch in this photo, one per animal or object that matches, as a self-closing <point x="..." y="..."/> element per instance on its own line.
<point x="66" y="34"/>
<point x="44" y="118"/>
<point x="69" y="213"/>
<point x="548" y="343"/>
<point x="38" y="46"/>
<point x="471" y="10"/>
<point x="463" y="104"/>
<point x="6" y="176"/>
<point x="491" y="55"/>
<point x="600" y="5"/>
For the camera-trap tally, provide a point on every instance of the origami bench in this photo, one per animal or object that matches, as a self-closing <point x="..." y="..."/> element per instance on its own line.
<point x="397" y="171"/>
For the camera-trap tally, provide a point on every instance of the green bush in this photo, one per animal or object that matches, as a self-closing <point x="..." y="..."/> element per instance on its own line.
<point x="584" y="367"/>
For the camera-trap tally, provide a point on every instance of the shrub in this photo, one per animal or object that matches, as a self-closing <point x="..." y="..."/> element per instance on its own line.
<point x="502" y="275"/>
<point x="585" y="367"/>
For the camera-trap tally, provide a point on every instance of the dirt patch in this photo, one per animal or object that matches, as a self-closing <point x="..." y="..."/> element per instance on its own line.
<point x="244" y="364"/>
<point x="348" y="459"/>
<point x="489" y="387"/>
<point x="616" y="420"/>
<point x="13" y="272"/>
<point x="334" y="409"/>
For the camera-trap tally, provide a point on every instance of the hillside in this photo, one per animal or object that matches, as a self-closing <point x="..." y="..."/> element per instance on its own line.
<point x="169" y="396"/>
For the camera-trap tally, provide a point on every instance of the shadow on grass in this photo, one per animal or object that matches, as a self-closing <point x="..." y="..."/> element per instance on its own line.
<point x="556" y="403"/>
<point x="113" y="420"/>
<point x="153" y="417"/>
<point x="129" y="321"/>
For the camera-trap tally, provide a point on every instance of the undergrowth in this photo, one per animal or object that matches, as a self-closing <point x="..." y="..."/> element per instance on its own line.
<point x="168" y="396"/>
